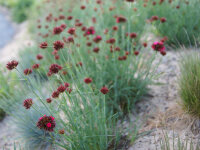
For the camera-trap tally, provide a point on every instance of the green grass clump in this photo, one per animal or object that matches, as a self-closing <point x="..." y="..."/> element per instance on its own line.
<point x="189" y="83"/>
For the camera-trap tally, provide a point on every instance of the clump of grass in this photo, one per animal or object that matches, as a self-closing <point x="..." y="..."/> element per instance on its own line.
<point x="176" y="143"/>
<point x="189" y="83"/>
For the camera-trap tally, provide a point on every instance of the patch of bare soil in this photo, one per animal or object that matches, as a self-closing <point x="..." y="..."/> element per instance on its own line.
<point x="161" y="114"/>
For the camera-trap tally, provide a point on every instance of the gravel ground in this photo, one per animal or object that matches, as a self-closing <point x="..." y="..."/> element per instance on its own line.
<point x="161" y="113"/>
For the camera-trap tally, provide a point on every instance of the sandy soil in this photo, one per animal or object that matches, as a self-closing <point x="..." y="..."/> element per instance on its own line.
<point x="162" y="114"/>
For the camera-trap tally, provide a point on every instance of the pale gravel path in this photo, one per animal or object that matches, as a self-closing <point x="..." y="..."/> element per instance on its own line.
<point x="161" y="114"/>
<point x="13" y="42"/>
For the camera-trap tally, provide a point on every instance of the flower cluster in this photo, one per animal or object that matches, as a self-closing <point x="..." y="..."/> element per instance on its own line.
<point x="46" y="123"/>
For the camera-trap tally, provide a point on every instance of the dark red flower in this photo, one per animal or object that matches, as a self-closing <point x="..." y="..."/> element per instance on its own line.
<point x="57" y="30"/>
<point x="61" y="89"/>
<point x="27" y="71"/>
<point x="57" y="57"/>
<point x="35" y="66"/>
<point x="55" y="94"/>
<point x="69" y="17"/>
<point x="69" y="90"/>
<point x="39" y="57"/>
<point x="97" y="39"/>
<point x="115" y="28"/>
<point x="61" y="17"/>
<point x="82" y="7"/>
<point x="66" y="84"/>
<point x="111" y="41"/>
<point x="163" y="19"/>
<point x="145" y="44"/>
<point x="120" y="19"/>
<point x="154" y="18"/>
<point x="44" y="45"/>
<point x="28" y="103"/>
<point x="12" y="65"/>
<point x="96" y="49"/>
<point x="158" y="46"/>
<point x="58" y="45"/>
<point x="104" y="90"/>
<point x="136" y="53"/>
<point x="87" y="80"/>
<point x="48" y="100"/>
<point x="163" y="52"/>
<point x="55" y="68"/>
<point x="133" y="35"/>
<point x="71" y="31"/>
<point x="117" y="49"/>
<point x="46" y="123"/>
<point x="63" y="26"/>
<point x="70" y="39"/>
<point x="79" y="64"/>
<point x="90" y="31"/>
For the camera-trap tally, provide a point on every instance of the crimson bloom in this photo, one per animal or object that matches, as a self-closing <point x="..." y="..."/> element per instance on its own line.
<point x="39" y="57"/>
<point x="57" y="30"/>
<point x="55" y="68"/>
<point x="120" y="19"/>
<point x="104" y="90"/>
<point x="35" y="66"/>
<point x="49" y="100"/>
<point x="61" y="89"/>
<point x="71" y="31"/>
<point x="46" y="123"/>
<point x="87" y="80"/>
<point x="96" y="49"/>
<point x="43" y="45"/>
<point x="55" y="94"/>
<point x="27" y="71"/>
<point x="97" y="39"/>
<point x="28" y="103"/>
<point x="90" y="31"/>
<point x="158" y="46"/>
<point x="58" y="45"/>
<point x="12" y="65"/>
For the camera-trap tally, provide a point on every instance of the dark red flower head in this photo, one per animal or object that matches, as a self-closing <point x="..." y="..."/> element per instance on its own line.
<point x="46" y="123"/>
<point x="97" y="39"/>
<point x="55" y="94"/>
<point x="104" y="90"/>
<point x="55" y="68"/>
<point x="136" y="53"/>
<point x="66" y="84"/>
<point x="28" y="103"/>
<point x="61" y="89"/>
<point x="120" y="19"/>
<point x="12" y="65"/>
<point x="71" y="31"/>
<point x="57" y="30"/>
<point x="133" y="35"/>
<point x="44" y="45"/>
<point x="27" y="71"/>
<point x="163" y="19"/>
<point x="158" y="46"/>
<point x="63" y="26"/>
<point x="111" y="41"/>
<point x="96" y="49"/>
<point x="87" y="80"/>
<point x="58" y="45"/>
<point x="35" y="66"/>
<point x="49" y="100"/>
<point x="90" y="31"/>
<point x="39" y="57"/>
